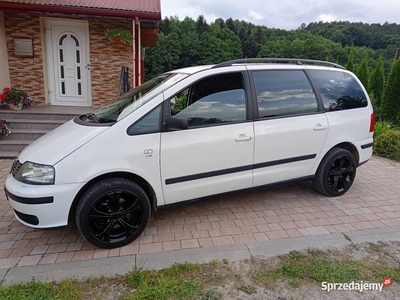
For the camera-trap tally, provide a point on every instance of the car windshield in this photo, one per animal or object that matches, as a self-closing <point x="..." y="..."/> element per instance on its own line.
<point x="134" y="99"/>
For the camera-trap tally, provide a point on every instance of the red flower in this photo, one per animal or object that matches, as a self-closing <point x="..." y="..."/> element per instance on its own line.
<point x="6" y="89"/>
<point x="3" y="96"/>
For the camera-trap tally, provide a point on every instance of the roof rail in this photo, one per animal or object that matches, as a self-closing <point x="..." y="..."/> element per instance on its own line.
<point x="298" y="61"/>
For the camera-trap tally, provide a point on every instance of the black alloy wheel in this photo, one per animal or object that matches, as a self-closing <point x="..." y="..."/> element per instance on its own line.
<point x="113" y="213"/>
<point x="336" y="173"/>
<point x="341" y="174"/>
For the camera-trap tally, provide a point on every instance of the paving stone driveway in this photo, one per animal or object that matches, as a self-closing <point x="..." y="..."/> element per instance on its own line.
<point x="290" y="211"/>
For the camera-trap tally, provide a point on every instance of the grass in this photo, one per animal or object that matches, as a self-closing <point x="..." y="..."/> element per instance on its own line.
<point x="248" y="289"/>
<point x="65" y="290"/>
<point x="223" y="279"/>
<point x="318" y="266"/>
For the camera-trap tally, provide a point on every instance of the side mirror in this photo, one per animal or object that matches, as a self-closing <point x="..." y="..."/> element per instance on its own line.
<point x="174" y="124"/>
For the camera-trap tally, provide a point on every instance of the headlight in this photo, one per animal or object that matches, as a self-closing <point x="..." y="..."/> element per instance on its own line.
<point x="35" y="174"/>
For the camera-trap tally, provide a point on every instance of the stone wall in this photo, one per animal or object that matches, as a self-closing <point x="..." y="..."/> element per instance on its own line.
<point x="106" y="60"/>
<point x="26" y="73"/>
<point x="106" y="57"/>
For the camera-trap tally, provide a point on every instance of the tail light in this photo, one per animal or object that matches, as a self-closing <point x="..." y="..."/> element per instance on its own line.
<point x="372" y="123"/>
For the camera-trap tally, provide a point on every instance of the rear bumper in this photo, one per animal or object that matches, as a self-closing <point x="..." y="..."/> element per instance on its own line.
<point x="365" y="149"/>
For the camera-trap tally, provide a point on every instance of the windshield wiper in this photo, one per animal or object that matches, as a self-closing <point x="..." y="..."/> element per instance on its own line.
<point x="91" y="117"/>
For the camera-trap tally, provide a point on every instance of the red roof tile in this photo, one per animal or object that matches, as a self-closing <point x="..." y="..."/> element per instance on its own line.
<point x="150" y="6"/>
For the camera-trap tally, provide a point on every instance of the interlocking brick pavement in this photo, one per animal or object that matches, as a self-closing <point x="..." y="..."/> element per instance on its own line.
<point x="258" y="215"/>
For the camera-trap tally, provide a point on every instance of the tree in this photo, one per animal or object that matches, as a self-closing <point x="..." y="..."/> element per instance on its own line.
<point x="165" y="26"/>
<point x="250" y="48"/>
<point x="201" y="25"/>
<point x="377" y="82"/>
<point x="362" y="73"/>
<point x="230" y="25"/>
<point x="350" y="60"/>
<point x="391" y="95"/>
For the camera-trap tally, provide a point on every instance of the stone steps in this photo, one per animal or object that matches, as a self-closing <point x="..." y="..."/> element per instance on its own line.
<point x="34" y="124"/>
<point x="30" y="124"/>
<point x="7" y="145"/>
<point x="25" y="134"/>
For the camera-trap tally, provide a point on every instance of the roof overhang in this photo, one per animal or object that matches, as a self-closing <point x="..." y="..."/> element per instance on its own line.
<point x="41" y="8"/>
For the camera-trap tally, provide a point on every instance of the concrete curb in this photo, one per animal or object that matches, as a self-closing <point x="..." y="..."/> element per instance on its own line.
<point x="236" y="252"/>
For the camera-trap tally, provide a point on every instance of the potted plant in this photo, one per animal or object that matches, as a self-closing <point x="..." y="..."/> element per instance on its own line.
<point x="5" y="128"/>
<point x="16" y="99"/>
<point x="119" y="36"/>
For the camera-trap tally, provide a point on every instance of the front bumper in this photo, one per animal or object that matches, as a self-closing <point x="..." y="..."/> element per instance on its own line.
<point x="41" y="206"/>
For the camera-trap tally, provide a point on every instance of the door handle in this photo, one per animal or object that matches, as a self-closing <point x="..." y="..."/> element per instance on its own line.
<point x="320" y="127"/>
<point x="243" y="138"/>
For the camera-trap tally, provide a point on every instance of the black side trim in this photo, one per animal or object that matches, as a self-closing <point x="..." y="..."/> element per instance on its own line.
<point x="208" y="174"/>
<point x="238" y="169"/>
<point x="284" y="161"/>
<point x="261" y="187"/>
<point x="367" y="145"/>
<point x="23" y="200"/>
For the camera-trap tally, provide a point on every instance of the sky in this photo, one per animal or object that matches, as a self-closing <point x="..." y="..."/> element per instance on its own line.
<point x="286" y="14"/>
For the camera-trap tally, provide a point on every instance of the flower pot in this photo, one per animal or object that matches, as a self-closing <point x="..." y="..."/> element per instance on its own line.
<point x="117" y="41"/>
<point x="16" y="107"/>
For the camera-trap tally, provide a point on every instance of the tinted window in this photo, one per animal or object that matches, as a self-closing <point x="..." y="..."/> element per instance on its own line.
<point x="282" y="93"/>
<point x="148" y="124"/>
<point x="214" y="100"/>
<point x="339" y="90"/>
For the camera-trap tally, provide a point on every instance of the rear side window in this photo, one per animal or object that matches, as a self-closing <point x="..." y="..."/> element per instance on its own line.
<point x="283" y="93"/>
<point x="339" y="90"/>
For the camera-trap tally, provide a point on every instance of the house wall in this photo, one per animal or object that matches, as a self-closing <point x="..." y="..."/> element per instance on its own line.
<point x="106" y="57"/>
<point x="26" y="73"/>
<point x="106" y="60"/>
<point x="4" y="74"/>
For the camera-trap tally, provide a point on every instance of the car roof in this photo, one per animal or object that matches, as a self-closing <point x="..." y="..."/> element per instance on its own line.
<point x="192" y="70"/>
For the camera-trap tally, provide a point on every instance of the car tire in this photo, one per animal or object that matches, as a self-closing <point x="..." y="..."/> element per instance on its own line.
<point x="336" y="173"/>
<point x="113" y="213"/>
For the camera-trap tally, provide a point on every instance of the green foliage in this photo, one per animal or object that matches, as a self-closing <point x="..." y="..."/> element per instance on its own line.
<point x="362" y="73"/>
<point x="382" y="127"/>
<point x="194" y="42"/>
<point x="350" y="60"/>
<point x="391" y="95"/>
<point x="388" y="144"/>
<point x="123" y="35"/>
<point x="378" y="82"/>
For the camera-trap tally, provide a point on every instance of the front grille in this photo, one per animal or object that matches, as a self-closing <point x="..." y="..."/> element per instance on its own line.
<point x="30" y="219"/>
<point x="15" y="168"/>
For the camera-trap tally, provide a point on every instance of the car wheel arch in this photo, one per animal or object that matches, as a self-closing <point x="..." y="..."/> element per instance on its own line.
<point x="143" y="183"/>
<point x="349" y="147"/>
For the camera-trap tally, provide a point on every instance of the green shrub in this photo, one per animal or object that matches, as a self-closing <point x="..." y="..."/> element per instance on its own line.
<point x="382" y="127"/>
<point x="388" y="144"/>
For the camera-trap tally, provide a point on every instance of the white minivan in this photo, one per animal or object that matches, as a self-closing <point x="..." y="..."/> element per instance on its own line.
<point x="192" y="133"/>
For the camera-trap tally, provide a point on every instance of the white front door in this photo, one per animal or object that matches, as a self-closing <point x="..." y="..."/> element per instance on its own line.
<point x="67" y="58"/>
<point x="215" y="154"/>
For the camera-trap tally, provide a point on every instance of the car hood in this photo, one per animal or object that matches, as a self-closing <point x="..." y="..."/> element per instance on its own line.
<point x="59" y="143"/>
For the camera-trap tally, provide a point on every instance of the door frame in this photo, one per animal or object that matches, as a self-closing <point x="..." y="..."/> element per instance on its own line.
<point x="48" y="22"/>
